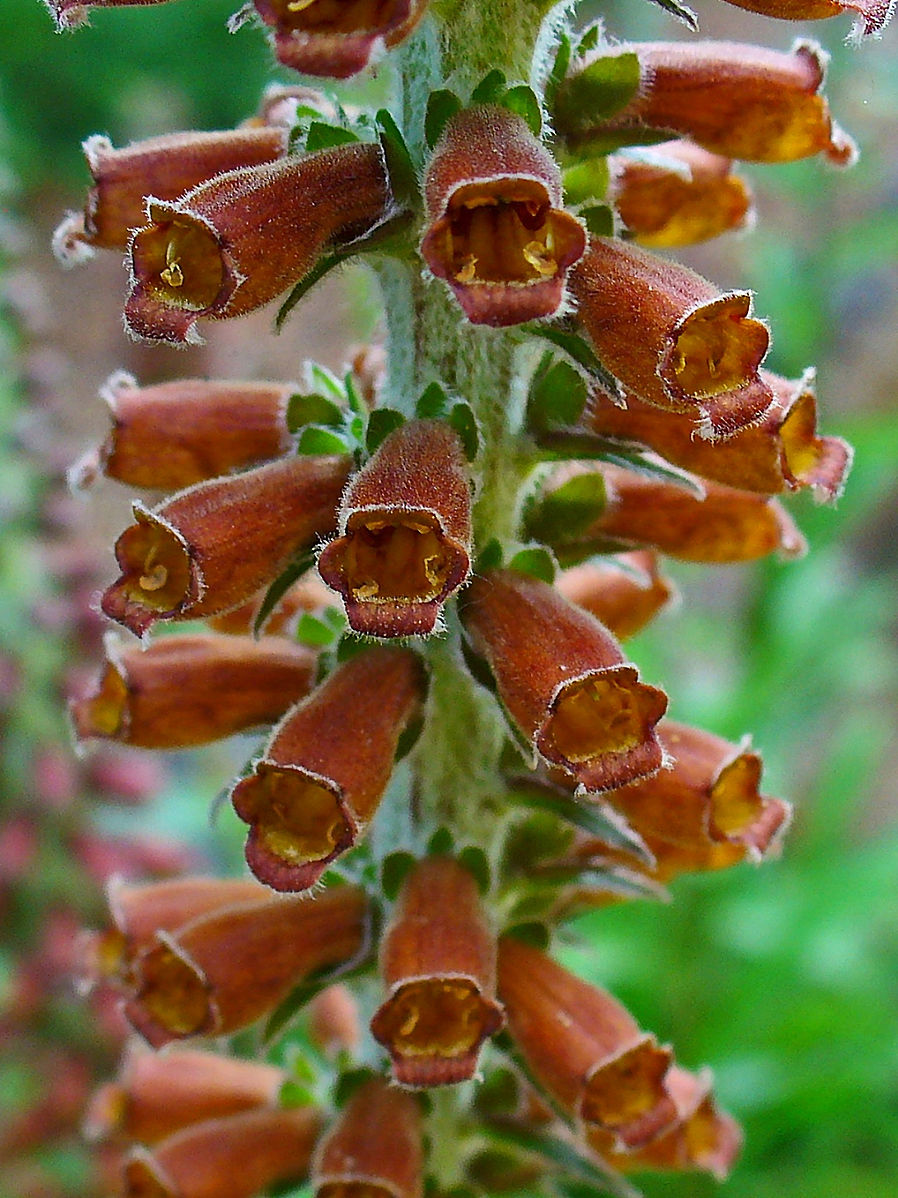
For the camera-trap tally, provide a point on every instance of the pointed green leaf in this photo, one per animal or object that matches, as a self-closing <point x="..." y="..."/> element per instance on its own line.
<point x="463" y="421"/>
<point x="442" y="105"/>
<point x="433" y="403"/>
<point x="322" y="136"/>
<point x="559" y="70"/>
<point x="597" y="92"/>
<point x="590" y="816"/>
<point x="280" y="586"/>
<point x="680" y="11"/>
<point x="587" y="180"/>
<point x="315" y="439"/>
<point x="401" y="169"/>
<point x="490" y="89"/>
<point x="381" y="423"/>
<point x="322" y="267"/>
<point x="580" y="352"/>
<point x="522" y="101"/>
<point x="536" y="562"/>
<point x="312" y="409"/>
<point x="557" y="398"/>
<point x="568" y="512"/>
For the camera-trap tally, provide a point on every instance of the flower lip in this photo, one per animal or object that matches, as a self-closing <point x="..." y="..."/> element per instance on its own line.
<point x="159" y="577"/>
<point x="173" y="999"/>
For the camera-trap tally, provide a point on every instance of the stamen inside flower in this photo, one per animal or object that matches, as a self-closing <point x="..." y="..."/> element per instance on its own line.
<point x="502" y="239"/>
<point x="172" y="992"/>
<point x="628" y="1089"/>
<point x="103" y="714"/>
<point x="801" y="446"/>
<point x="156" y="566"/>
<point x="180" y="261"/>
<point x="401" y="561"/>
<point x="735" y="802"/>
<point x="297" y="820"/>
<point x="435" y="1017"/>
<point x="337" y="16"/>
<point x="717" y="351"/>
<point x="592" y="717"/>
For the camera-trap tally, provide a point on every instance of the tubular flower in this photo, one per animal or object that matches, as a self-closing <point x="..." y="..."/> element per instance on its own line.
<point x="564" y="681"/>
<point x="308" y="595"/>
<point x="325" y="769"/>
<point x="872" y="16"/>
<point x="237" y="1156"/>
<point x="239" y="240"/>
<point x="438" y="962"/>
<point x="334" y="1021"/>
<point x="159" y="1094"/>
<point x="713" y="524"/>
<point x="694" y="350"/>
<point x="190" y="690"/>
<point x="781" y="452"/>
<point x="585" y="1048"/>
<point x="336" y="40"/>
<point x="624" y="594"/>
<point x="684" y="196"/>
<point x="224" y="970"/>
<point x="739" y="101"/>
<point x="212" y="546"/>
<point x="708" y="796"/>
<point x="374" y="1148"/>
<point x="405" y="524"/>
<point x="139" y="912"/>
<point x="702" y="1137"/>
<point x="497" y="233"/>
<point x="162" y="167"/>
<point x="69" y="14"/>
<point x="173" y="435"/>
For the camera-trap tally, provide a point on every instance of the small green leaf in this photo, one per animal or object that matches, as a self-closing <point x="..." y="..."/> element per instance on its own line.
<point x="559" y="70"/>
<point x="462" y="419"/>
<point x="442" y="105"/>
<point x="322" y="136"/>
<point x="408" y="738"/>
<point x="433" y="403"/>
<point x="347" y="1084"/>
<point x="393" y="872"/>
<point x="294" y="1094"/>
<point x="536" y="562"/>
<point x="599" y="220"/>
<point x="315" y="439"/>
<point x="312" y="409"/>
<point x="522" y="101"/>
<point x="580" y="352"/>
<point x="475" y="862"/>
<point x="590" y="39"/>
<point x="314" y="632"/>
<point x="597" y="92"/>
<point x="490" y="557"/>
<point x="587" y="180"/>
<point x="557" y="398"/>
<point x="381" y="423"/>
<point x="568" y="512"/>
<point x="280" y="586"/>
<point x="535" y="934"/>
<point x="401" y="169"/>
<point x="335" y="617"/>
<point x="680" y="11"/>
<point x="325" y="381"/>
<point x="490" y="88"/>
<point x="322" y="267"/>
<point x="441" y="844"/>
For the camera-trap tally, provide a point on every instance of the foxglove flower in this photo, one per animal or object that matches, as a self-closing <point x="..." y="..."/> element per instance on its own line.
<point x="625" y="593"/>
<point x="871" y="16"/>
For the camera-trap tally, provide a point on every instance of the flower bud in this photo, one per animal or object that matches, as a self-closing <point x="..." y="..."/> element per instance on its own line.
<point x="671" y="337"/>
<point x="233" y="1157"/>
<point x="781" y="452"/>
<point x="210" y="547"/>
<point x="162" y="167"/>
<point x="405" y="524"/>
<point x="585" y="1048"/>
<point x="438" y="962"/>
<point x="682" y="196"/>
<point x="701" y="1137"/>
<point x="242" y="238"/>
<point x="498" y="234"/>
<point x="739" y="101"/>
<point x="872" y="15"/>
<point x="160" y="1093"/>
<point x="336" y="41"/>
<point x="334" y="1021"/>
<point x="564" y="681"/>
<point x="373" y="1148"/>
<point x="624" y="594"/>
<point x="717" y="525"/>
<point x="224" y="970"/>
<point x="326" y="767"/>
<point x="173" y="435"/>
<point x="190" y="690"/>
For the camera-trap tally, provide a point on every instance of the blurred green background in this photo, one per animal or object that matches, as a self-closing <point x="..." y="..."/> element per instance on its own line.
<point x="785" y="978"/>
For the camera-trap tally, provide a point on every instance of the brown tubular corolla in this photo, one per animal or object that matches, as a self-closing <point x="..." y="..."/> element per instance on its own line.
<point x="498" y="234"/>
<point x="325" y="769"/>
<point x="625" y="594"/>
<point x="564" y="681"/>
<point x="374" y="1148"/>
<point x="684" y="196"/>
<point x="241" y="239"/>
<point x="211" y="547"/>
<point x="336" y="38"/>
<point x="172" y="435"/>
<point x="736" y="100"/>
<point x="585" y="1048"/>
<point x="190" y="690"/>
<point x="782" y="452"/>
<point x="237" y="1156"/>
<point x="872" y="16"/>
<point x="438" y="962"/>
<point x="405" y="524"/>
<point x="163" y="167"/>
<point x="224" y="970"/>
<point x="157" y="1094"/>
<point x="702" y="1136"/>
<point x="671" y="337"/>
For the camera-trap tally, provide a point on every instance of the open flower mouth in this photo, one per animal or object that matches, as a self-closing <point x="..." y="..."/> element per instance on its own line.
<point x="735" y="801"/>
<point x="717" y="352"/>
<point x="172" y="993"/>
<point x="435" y="1017"/>
<point x="338" y="16"/>
<point x="627" y="1095"/>
<point x="401" y="561"/>
<point x="105" y="713"/>
<point x="155" y="565"/>
<point x="297" y="821"/>
<point x="593" y="717"/>
<point x="180" y="263"/>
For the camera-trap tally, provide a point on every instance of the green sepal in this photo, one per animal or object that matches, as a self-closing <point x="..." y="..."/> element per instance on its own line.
<point x="580" y="353"/>
<point x="586" y="180"/>
<point x="599" y="219"/>
<point x="589" y="816"/>
<point x="322" y="136"/>
<point x="463" y="421"/>
<point x="442" y="105"/>
<point x="535" y="933"/>
<point x="558" y="71"/>
<point x="598" y="91"/>
<point x="557" y="396"/>
<point x="315" y="633"/>
<point x="522" y="100"/>
<point x="408" y="738"/>
<point x="475" y="861"/>
<point x="490" y="557"/>
<point x="490" y="89"/>
<point x="381" y="423"/>
<point x="316" y="439"/>
<point x="348" y="1082"/>
<point x="499" y="1093"/>
<point x="294" y="1094"/>
<point x="281" y="585"/>
<point x="567" y="513"/>
<point x="394" y="869"/>
<point x="536" y="562"/>
<point x="441" y="844"/>
<point x="400" y="167"/>
<point x="433" y="403"/>
<point x="312" y="409"/>
<point x="680" y="11"/>
<point x="322" y="267"/>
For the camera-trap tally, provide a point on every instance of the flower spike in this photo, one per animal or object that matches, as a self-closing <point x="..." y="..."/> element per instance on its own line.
<point x="211" y="547"/>
<point x="325" y="769"/>
<point x="498" y="234"/>
<point x="405" y="525"/>
<point x="438" y="960"/>
<point x="241" y="239"/>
